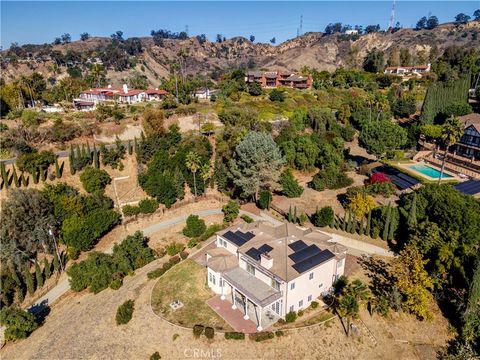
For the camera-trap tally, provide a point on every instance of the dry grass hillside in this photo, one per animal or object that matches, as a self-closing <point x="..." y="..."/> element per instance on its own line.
<point x="315" y="50"/>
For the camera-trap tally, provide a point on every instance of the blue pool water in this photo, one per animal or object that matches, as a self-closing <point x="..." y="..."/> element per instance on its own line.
<point x="429" y="171"/>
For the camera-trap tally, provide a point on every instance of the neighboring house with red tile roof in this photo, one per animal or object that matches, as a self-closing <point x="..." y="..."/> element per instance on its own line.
<point x="273" y="79"/>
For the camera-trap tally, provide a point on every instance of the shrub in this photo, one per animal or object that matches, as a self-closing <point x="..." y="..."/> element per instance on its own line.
<point x="18" y="323"/>
<point x="156" y="273"/>
<point x="276" y="95"/>
<point x="233" y="335"/>
<point x="262" y="336"/>
<point x="314" y="304"/>
<point x="301" y="312"/>
<point x="279" y="333"/>
<point x="379" y="177"/>
<point x="174" y="248"/>
<point x="155" y="356"/>
<point x="174" y="260"/>
<point x="116" y="284"/>
<point x="94" y="179"/>
<point x="291" y="317"/>
<point x="265" y="199"/>
<point x="323" y="217"/>
<point x="130" y="210"/>
<point x="386" y="189"/>
<point x="183" y="255"/>
<point x="125" y="312"/>
<point x="246" y="218"/>
<point x="230" y="211"/>
<point x="148" y="206"/>
<point x="198" y="330"/>
<point x="32" y="162"/>
<point x="330" y="178"/>
<point x="290" y="186"/>
<point x="194" y="227"/>
<point x="209" y="332"/>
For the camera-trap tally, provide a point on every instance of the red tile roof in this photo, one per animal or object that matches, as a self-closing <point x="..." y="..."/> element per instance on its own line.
<point x="156" y="92"/>
<point x="132" y="92"/>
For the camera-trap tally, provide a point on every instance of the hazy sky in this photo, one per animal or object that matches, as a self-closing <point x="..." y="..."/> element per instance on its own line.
<point x="42" y="21"/>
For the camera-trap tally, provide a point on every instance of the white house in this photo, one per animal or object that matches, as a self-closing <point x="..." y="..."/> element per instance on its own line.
<point x="268" y="271"/>
<point x="408" y="70"/>
<point x="204" y="93"/>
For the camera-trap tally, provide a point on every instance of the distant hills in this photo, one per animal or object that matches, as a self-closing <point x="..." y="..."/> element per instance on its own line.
<point x="315" y="50"/>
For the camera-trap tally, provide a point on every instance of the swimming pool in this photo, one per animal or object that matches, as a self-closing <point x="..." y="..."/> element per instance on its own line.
<point x="429" y="171"/>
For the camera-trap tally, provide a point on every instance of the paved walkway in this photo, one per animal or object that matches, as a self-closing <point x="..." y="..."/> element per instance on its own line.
<point x="359" y="248"/>
<point x="233" y="317"/>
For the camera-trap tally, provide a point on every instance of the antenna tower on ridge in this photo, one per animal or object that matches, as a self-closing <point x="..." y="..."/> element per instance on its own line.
<point x="392" y="17"/>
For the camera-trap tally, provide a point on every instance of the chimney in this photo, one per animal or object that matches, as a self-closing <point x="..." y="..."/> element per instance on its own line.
<point x="109" y="86"/>
<point x="266" y="261"/>
<point x="125" y="88"/>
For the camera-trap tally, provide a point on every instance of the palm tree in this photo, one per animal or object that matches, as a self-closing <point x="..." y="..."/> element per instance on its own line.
<point x="173" y="68"/>
<point x="193" y="164"/>
<point x="452" y="131"/>
<point x="347" y="308"/>
<point x="96" y="73"/>
<point x="205" y="174"/>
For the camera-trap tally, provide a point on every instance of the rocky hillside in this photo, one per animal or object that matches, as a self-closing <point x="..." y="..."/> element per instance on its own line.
<point x="315" y="50"/>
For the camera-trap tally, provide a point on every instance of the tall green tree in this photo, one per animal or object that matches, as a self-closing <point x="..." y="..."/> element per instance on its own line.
<point x="193" y="164"/>
<point x="452" y="131"/>
<point x="256" y="164"/>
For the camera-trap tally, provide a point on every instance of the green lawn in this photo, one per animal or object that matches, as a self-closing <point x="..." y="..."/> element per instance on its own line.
<point x="186" y="282"/>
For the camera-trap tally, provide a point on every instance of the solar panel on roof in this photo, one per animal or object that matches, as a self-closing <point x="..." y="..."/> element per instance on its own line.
<point x="253" y="253"/>
<point x="234" y="238"/>
<point x="301" y="255"/>
<point x="247" y="236"/>
<point x="470" y="187"/>
<point x="313" y="261"/>
<point x="265" y="248"/>
<point x="298" y="245"/>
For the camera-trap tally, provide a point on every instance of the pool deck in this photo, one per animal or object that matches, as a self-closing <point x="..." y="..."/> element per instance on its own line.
<point x="406" y="167"/>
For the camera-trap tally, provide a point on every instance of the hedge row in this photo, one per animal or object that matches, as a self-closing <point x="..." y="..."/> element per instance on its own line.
<point x="169" y="264"/>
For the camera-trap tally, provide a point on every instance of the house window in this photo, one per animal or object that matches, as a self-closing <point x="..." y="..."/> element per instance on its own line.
<point x="310" y="277"/>
<point x="309" y="298"/>
<point x="275" y="284"/>
<point x="292" y="308"/>
<point x="292" y="286"/>
<point x="300" y="304"/>
<point x="251" y="269"/>
<point x="211" y="278"/>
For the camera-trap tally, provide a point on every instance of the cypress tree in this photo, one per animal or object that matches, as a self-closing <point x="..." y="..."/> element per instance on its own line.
<point x="295" y="218"/>
<point x="344" y="222"/>
<point x="89" y="151"/>
<point x="70" y="162"/>
<point x="16" y="180"/>
<point x="96" y="158"/>
<point x="84" y="151"/>
<point x="135" y="145"/>
<point x="47" y="269"/>
<point x="58" y="174"/>
<point x="393" y="225"/>
<point x="368" y="231"/>
<point x="38" y="275"/>
<point x="332" y="224"/>
<point x="412" y="215"/>
<point x="24" y="179"/>
<point x="353" y="222"/>
<point x="43" y="174"/>
<point x="56" y="264"/>
<point x="3" y="172"/>
<point x="15" y="276"/>
<point x="129" y="147"/>
<point x="78" y="152"/>
<point x="36" y="177"/>
<point x="361" y="227"/>
<point x="28" y="277"/>
<point x="386" y="227"/>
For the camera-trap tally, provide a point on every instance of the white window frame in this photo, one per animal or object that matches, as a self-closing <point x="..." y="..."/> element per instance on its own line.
<point x="292" y="286"/>
<point x="300" y="304"/>
<point x="309" y="298"/>
<point x="310" y="276"/>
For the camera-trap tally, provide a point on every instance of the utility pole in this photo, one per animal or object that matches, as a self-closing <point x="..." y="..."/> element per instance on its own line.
<point x="301" y="24"/>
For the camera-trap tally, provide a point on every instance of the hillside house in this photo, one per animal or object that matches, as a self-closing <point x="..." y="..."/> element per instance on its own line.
<point x="469" y="144"/>
<point x="155" y="94"/>
<point x="268" y="271"/>
<point x="273" y="79"/>
<point x="418" y="70"/>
